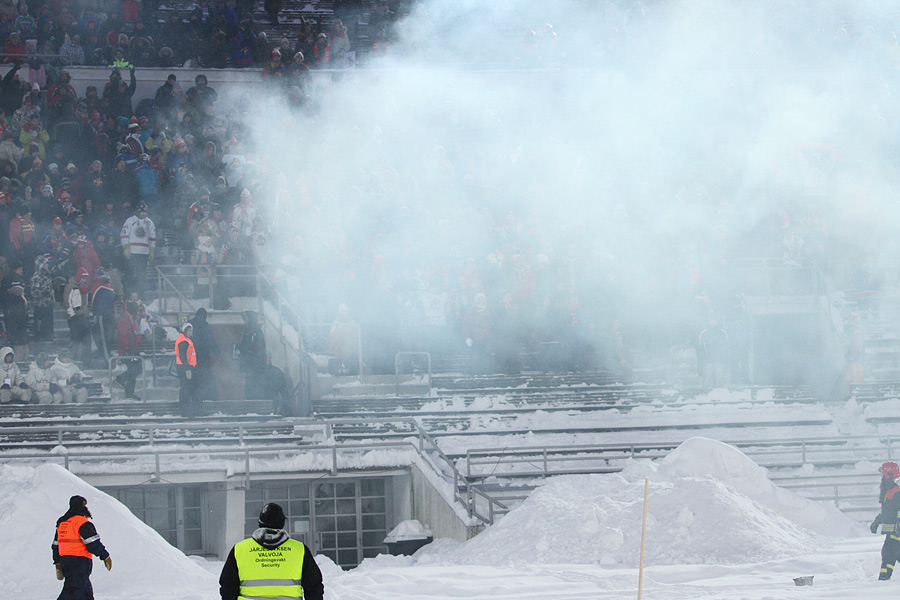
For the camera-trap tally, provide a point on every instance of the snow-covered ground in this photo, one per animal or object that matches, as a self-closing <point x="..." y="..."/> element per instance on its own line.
<point x="716" y="528"/>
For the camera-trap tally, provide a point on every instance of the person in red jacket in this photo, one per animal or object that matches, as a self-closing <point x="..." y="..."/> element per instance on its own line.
<point x="75" y="544"/>
<point x="127" y="340"/>
<point x="888" y="519"/>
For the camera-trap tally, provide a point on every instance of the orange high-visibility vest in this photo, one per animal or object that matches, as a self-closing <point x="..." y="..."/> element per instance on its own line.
<point x="191" y="353"/>
<point x="70" y="542"/>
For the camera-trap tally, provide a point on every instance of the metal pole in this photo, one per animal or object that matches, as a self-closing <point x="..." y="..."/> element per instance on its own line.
<point x="643" y="536"/>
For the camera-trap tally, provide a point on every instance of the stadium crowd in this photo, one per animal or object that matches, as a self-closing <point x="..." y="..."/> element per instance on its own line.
<point x="98" y="186"/>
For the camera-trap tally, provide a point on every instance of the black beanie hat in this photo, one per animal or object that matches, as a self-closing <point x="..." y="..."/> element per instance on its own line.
<point x="78" y="502"/>
<point x="272" y="516"/>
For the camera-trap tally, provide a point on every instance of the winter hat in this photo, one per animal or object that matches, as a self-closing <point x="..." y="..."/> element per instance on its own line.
<point x="186" y="326"/>
<point x="77" y="502"/>
<point x="57" y="221"/>
<point x="272" y="516"/>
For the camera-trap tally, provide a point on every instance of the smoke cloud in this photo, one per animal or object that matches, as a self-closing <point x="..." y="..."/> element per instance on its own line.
<point x="627" y="154"/>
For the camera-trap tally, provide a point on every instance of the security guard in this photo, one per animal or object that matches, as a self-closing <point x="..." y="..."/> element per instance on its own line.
<point x="888" y="519"/>
<point x="74" y="545"/>
<point x="270" y="564"/>
<point x="186" y="359"/>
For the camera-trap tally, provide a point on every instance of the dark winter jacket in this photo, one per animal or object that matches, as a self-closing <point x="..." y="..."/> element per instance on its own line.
<point x="310" y="577"/>
<point x="253" y="345"/>
<point x="88" y="534"/>
<point x="205" y="344"/>
<point x="890" y="509"/>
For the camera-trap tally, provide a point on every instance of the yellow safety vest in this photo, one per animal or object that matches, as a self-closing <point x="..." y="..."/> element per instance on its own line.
<point x="266" y="574"/>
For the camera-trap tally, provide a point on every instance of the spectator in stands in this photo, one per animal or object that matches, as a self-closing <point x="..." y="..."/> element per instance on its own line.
<point x="339" y="44"/>
<point x="856" y="351"/>
<point x="252" y="350"/>
<point x="272" y="8"/>
<point x="117" y="95"/>
<point x="127" y="339"/>
<point x="23" y="237"/>
<point x="200" y="94"/>
<point x="25" y="23"/>
<point x="166" y="99"/>
<point x="71" y="52"/>
<point x="75" y="302"/>
<point x="713" y="354"/>
<point x="343" y="343"/>
<point x="242" y="46"/>
<point x="207" y="350"/>
<point x="274" y="69"/>
<point x="12" y="385"/>
<point x="42" y="300"/>
<point x="15" y="310"/>
<point x="69" y="378"/>
<point x="138" y="239"/>
<point x="320" y="52"/>
<point x="40" y="379"/>
<point x="479" y="335"/>
<point x="103" y="309"/>
<point x="276" y="388"/>
<point x="186" y="360"/>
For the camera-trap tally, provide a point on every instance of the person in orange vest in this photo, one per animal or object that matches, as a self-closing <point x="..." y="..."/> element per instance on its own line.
<point x="75" y="544"/>
<point x="186" y="359"/>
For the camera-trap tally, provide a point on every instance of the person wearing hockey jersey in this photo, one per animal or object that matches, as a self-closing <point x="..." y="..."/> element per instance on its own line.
<point x="138" y="245"/>
<point x="270" y="564"/>
<point x="888" y="519"/>
<point x="75" y="544"/>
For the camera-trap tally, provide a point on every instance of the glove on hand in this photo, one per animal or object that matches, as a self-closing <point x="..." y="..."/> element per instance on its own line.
<point x="187" y="374"/>
<point x="126" y="251"/>
<point x="59" y="573"/>
<point x="874" y="526"/>
<point x="55" y="389"/>
<point x="469" y="342"/>
<point x="108" y="562"/>
<point x="152" y="254"/>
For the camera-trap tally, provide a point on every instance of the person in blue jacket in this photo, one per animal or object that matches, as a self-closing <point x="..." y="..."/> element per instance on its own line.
<point x="75" y="544"/>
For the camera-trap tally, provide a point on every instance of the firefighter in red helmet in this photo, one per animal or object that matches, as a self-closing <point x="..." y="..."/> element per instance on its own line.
<point x="888" y="519"/>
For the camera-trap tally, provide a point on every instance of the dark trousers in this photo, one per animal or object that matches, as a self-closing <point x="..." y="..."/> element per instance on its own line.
<point x="205" y="383"/>
<point x="77" y="582"/>
<point x="890" y="552"/>
<point x="133" y="368"/>
<point x="137" y="271"/>
<point x="80" y="331"/>
<point x="43" y="323"/>
<point x="187" y="400"/>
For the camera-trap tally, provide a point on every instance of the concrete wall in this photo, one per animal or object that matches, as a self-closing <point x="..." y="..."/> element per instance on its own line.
<point x="430" y="508"/>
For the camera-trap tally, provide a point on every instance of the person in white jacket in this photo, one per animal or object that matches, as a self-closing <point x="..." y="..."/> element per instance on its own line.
<point x="40" y="380"/>
<point x="138" y="239"/>
<point x="69" y="378"/>
<point x="12" y="385"/>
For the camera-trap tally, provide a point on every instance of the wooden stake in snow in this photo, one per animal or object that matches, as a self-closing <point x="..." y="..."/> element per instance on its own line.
<point x="643" y="533"/>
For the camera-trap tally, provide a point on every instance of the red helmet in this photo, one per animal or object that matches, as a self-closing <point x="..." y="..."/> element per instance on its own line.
<point x="890" y="470"/>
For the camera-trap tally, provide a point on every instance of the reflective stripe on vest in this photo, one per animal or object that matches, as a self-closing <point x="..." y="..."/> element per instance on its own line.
<point x="70" y="542"/>
<point x="191" y="353"/>
<point x="269" y="574"/>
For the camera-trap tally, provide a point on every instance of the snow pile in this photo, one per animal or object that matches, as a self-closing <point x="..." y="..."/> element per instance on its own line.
<point x="144" y="565"/>
<point x="708" y="504"/>
<point x="703" y="457"/>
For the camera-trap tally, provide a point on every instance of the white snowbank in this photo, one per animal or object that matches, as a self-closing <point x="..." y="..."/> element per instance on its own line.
<point x="144" y="564"/>
<point x="708" y="504"/>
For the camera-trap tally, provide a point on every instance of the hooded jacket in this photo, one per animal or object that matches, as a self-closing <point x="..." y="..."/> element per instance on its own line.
<point x="253" y="345"/>
<point x="11" y="370"/>
<point x="38" y="379"/>
<point x="310" y="577"/>
<point x="62" y="373"/>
